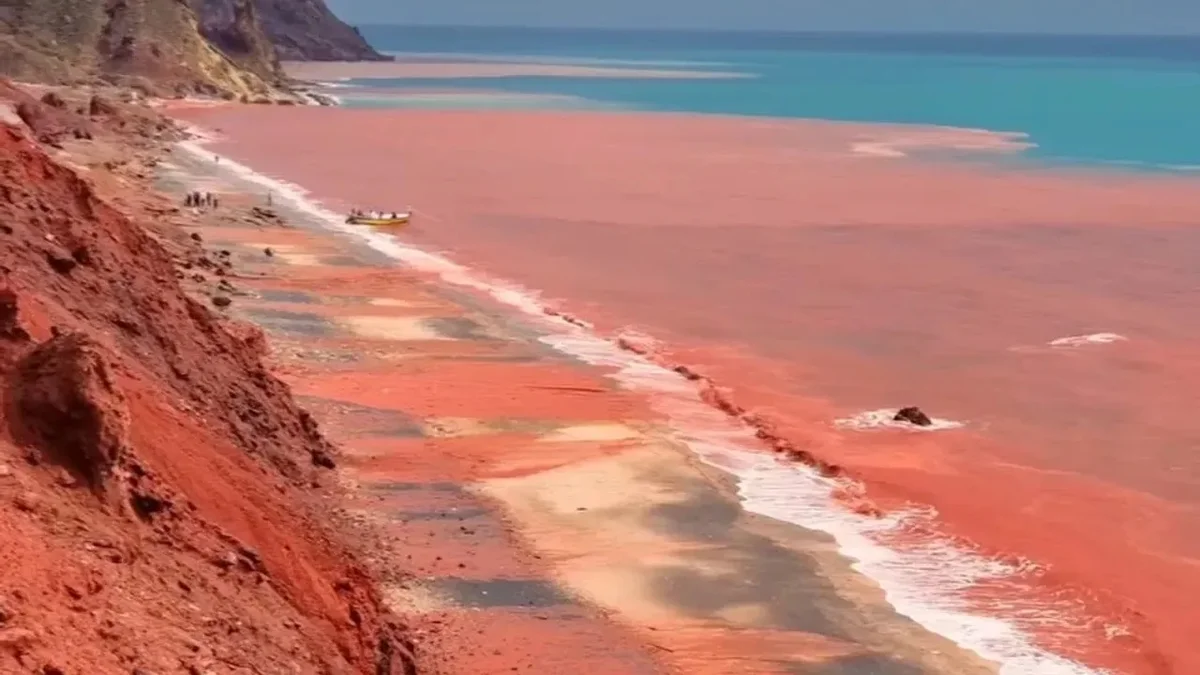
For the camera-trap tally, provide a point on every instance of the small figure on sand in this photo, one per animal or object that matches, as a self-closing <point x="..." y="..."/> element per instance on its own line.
<point x="270" y="199"/>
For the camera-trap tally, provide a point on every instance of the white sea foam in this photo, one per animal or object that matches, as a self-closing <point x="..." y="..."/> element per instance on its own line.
<point x="1090" y="339"/>
<point x="923" y="583"/>
<point x="871" y="420"/>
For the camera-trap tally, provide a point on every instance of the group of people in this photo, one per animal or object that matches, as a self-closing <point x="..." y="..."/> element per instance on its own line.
<point x="201" y="199"/>
<point x="378" y="215"/>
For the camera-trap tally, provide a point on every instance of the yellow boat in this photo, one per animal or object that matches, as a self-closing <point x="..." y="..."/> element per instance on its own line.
<point x="384" y="221"/>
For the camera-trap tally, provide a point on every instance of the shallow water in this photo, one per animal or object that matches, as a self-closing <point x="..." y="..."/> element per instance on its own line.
<point x="819" y="284"/>
<point x="1125" y="100"/>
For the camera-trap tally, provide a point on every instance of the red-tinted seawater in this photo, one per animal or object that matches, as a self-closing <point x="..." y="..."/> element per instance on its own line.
<point x="819" y="279"/>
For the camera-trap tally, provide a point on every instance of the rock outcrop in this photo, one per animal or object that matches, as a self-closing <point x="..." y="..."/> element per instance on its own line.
<point x="120" y="41"/>
<point x="229" y="48"/>
<point x="306" y="30"/>
<point x="234" y="27"/>
<point x="912" y="415"/>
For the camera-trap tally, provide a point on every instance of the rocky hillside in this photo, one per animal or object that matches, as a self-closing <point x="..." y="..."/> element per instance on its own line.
<point x="215" y="47"/>
<point x="123" y="41"/>
<point x="160" y="509"/>
<point x="305" y="30"/>
<point x="234" y="27"/>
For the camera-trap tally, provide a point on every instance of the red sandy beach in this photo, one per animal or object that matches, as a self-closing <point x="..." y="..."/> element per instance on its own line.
<point x="818" y="282"/>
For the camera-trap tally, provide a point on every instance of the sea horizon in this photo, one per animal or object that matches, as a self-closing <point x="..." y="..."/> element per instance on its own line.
<point x="1093" y="100"/>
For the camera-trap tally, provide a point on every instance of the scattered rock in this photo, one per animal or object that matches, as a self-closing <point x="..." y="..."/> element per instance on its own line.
<point x="52" y="99"/>
<point x="10" y="326"/>
<point x="222" y="301"/>
<point x="17" y="639"/>
<point x="196" y="237"/>
<point x="101" y="106"/>
<point x="60" y="262"/>
<point x="82" y="255"/>
<point x="264" y="214"/>
<point x="5" y="470"/>
<point x="912" y="415"/>
<point x="322" y="459"/>
<point x="27" y="501"/>
<point x="68" y="405"/>
<point x="146" y="506"/>
<point x="65" y="479"/>
<point x="268" y="252"/>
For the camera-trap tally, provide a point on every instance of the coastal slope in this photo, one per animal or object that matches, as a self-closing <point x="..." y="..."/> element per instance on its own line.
<point x="228" y="48"/>
<point x="161" y="500"/>
<point x="155" y="44"/>
<point x="306" y="30"/>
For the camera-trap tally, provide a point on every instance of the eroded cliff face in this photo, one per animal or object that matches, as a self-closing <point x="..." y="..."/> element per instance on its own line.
<point x="123" y="41"/>
<point x="306" y="30"/>
<point x="234" y="27"/>
<point x="157" y="504"/>
<point x="215" y="47"/>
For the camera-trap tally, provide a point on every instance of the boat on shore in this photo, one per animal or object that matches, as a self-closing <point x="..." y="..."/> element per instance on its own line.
<point x="379" y="219"/>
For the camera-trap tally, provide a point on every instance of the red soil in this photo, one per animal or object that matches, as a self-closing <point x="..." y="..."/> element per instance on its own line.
<point x="154" y="477"/>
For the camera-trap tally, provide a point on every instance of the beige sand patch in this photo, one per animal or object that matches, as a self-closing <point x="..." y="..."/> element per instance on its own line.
<point x="299" y="259"/>
<point x="392" y="302"/>
<point x="456" y="427"/>
<point x="596" y="433"/>
<point x="413" y="600"/>
<point x="395" y="328"/>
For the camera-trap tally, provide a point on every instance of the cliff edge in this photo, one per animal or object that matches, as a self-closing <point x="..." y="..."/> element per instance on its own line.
<point x="162" y="507"/>
<point x="125" y="42"/>
<point x="306" y="30"/>
<point x="229" y="48"/>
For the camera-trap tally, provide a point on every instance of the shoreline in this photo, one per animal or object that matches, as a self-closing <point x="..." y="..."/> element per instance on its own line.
<point x="375" y="70"/>
<point x="513" y="296"/>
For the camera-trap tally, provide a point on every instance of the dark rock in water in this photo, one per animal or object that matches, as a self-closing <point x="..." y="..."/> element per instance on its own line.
<point x="912" y="415"/>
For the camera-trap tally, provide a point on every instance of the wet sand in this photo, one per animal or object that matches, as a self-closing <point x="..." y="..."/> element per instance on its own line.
<point x="545" y="519"/>
<point x="818" y="281"/>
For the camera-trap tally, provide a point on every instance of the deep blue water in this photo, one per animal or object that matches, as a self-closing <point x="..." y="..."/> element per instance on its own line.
<point x="1128" y="101"/>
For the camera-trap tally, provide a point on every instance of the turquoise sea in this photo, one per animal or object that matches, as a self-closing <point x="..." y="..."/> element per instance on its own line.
<point x="1121" y="101"/>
